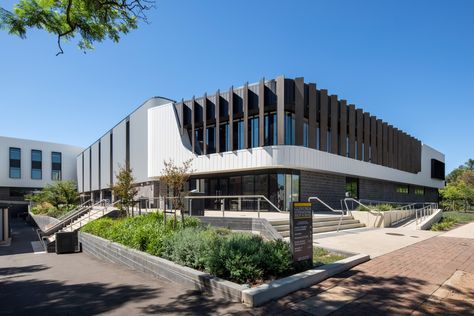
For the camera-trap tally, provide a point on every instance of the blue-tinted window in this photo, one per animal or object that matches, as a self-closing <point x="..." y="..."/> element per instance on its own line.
<point x="238" y="135"/>
<point x="56" y="166"/>
<point x="289" y="129"/>
<point x="270" y="132"/>
<point x="224" y="135"/>
<point x="210" y="140"/>
<point x="198" y="141"/>
<point x="36" y="164"/>
<point x="305" y="134"/>
<point x="15" y="163"/>
<point x="253" y="132"/>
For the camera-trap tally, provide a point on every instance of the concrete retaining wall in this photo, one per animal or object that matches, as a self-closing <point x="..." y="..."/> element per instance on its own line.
<point x="432" y="219"/>
<point x="382" y="219"/>
<point x="159" y="267"/>
<point x="260" y="225"/>
<point x="43" y="221"/>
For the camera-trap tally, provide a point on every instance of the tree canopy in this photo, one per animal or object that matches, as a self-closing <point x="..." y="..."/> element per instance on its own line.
<point x="459" y="190"/>
<point x="125" y="188"/>
<point x="90" y="20"/>
<point x="55" y="199"/>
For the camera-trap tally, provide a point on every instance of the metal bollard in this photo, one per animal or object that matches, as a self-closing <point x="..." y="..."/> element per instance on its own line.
<point x="222" y="207"/>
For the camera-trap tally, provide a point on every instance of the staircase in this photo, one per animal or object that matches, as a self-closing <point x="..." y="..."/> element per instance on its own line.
<point x="321" y="224"/>
<point x="75" y="219"/>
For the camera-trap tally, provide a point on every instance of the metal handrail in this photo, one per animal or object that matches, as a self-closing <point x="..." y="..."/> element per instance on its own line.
<point x="330" y="208"/>
<point x="76" y="209"/>
<point x="91" y="213"/>
<point x="424" y="212"/>
<point x="361" y="204"/>
<point x="71" y="218"/>
<point x="238" y="197"/>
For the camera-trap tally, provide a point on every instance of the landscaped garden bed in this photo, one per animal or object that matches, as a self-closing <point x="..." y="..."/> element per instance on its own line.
<point x="239" y="266"/>
<point x="452" y="219"/>
<point x="243" y="258"/>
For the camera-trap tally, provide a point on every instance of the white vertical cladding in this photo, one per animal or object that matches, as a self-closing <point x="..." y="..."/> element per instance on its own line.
<point x="139" y="140"/>
<point x="87" y="174"/>
<point x="80" y="182"/>
<point x="105" y="161"/>
<point x="119" y="147"/>
<point x="95" y="166"/>
<point x="164" y="139"/>
<point x="69" y="154"/>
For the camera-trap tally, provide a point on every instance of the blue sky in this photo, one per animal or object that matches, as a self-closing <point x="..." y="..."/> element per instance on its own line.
<point x="410" y="63"/>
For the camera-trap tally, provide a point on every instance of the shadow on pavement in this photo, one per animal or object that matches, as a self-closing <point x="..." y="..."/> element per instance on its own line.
<point x="190" y="303"/>
<point x="48" y="297"/>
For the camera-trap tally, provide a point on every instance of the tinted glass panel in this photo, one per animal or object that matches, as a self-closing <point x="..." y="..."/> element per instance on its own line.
<point x="36" y="174"/>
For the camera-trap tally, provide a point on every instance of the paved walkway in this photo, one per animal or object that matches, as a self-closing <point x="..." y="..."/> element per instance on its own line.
<point x="432" y="277"/>
<point x="77" y="284"/>
<point x="372" y="242"/>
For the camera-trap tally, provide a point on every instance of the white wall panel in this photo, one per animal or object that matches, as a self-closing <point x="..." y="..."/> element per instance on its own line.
<point x="105" y="161"/>
<point x="87" y="175"/>
<point x="165" y="142"/>
<point x="139" y="140"/>
<point x="95" y="166"/>
<point x="69" y="162"/>
<point x="79" y="173"/>
<point x="119" y="149"/>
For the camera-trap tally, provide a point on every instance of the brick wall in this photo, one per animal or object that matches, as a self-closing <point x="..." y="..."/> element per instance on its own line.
<point x="331" y="189"/>
<point x="328" y="187"/>
<point x="387" y="191"/>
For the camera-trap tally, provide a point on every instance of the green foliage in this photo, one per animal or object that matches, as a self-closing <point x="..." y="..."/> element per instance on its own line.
<point x="145" y="233"/>
<point x="55" y="199"/>
<point x="445" y="223"/>
<point x="322" y="256"/>
<point x="90" y="20"/>
<point x="124" y="188"/>
<point x="458" y="194"/>
<point x="238" y="257"/>
<point x="377" y="207"/>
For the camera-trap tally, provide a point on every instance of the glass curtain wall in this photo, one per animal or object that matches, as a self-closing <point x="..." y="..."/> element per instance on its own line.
<point x="281" y="188"/>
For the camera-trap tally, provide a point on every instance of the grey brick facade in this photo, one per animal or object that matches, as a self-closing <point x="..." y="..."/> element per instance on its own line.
<point x="331" y="189"/>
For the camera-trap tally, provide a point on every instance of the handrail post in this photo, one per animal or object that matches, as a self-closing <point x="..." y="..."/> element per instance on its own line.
<point x="258" y="207"/>
<point x="222" y="207"/>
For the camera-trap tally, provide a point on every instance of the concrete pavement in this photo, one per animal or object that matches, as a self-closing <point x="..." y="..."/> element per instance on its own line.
<point x="76" y="284"/>
<point x="372" y="242"/>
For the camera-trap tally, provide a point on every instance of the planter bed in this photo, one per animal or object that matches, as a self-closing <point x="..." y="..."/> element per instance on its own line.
<point x="162" y="268"/>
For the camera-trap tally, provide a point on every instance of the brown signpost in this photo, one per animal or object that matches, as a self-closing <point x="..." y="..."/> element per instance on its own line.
<point x="301" y="231"/>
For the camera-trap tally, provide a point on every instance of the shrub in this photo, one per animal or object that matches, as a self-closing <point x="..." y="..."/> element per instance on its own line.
<point x="445" y="224"/>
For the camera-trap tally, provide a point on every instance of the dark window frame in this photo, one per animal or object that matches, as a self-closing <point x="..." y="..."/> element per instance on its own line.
<point x="14" y="164"/>
<point x="54" y="165"/>
<point x="36" y="165"/>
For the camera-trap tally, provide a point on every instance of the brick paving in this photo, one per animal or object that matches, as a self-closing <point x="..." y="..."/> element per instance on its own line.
<point x="397" y="283"/>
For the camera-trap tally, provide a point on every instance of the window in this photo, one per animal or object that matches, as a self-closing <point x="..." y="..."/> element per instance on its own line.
<point x="253" y="132"/>
<point x="198" y="141"/>
<point x="210" y="140"/>
<point x="270" y="132"/>
<point x="289" y="129"/>
<point x="305" y="133"/>
<point x="36" y="164"/>
<point x="238" y="135"/>
<point x="56" y="166"/>
<point x="318" y="138"/>
<point x="402" y="189"/>
<point x="224" y="141"/>
<point x="15" y="163"/>
<point x="420" y="191"/>
<point x="352" y="188"/>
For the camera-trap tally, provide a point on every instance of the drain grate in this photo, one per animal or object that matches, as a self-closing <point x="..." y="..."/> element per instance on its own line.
<point x="394" y="234"/>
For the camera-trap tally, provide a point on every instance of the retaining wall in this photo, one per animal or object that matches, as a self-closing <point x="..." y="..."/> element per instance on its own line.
<point x="260" y="225"/>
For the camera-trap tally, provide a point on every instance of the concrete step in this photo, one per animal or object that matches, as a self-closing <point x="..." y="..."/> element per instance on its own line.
<point x="334" y="228"/>
<point x="280" y="228"/>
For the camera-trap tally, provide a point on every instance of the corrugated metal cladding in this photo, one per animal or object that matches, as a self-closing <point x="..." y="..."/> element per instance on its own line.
<point x="334" y="126"/>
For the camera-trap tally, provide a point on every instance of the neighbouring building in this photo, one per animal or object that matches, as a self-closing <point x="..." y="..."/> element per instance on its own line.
<point x="283" y="138"/>
<point x="29" y="165"/>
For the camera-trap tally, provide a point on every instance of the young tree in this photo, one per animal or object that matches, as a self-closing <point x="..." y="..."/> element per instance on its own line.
<point x="124" y="188"/>
<point x="175" y="178"/>
<point x="61" y="196"/>
<point x="90" y="20"/>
